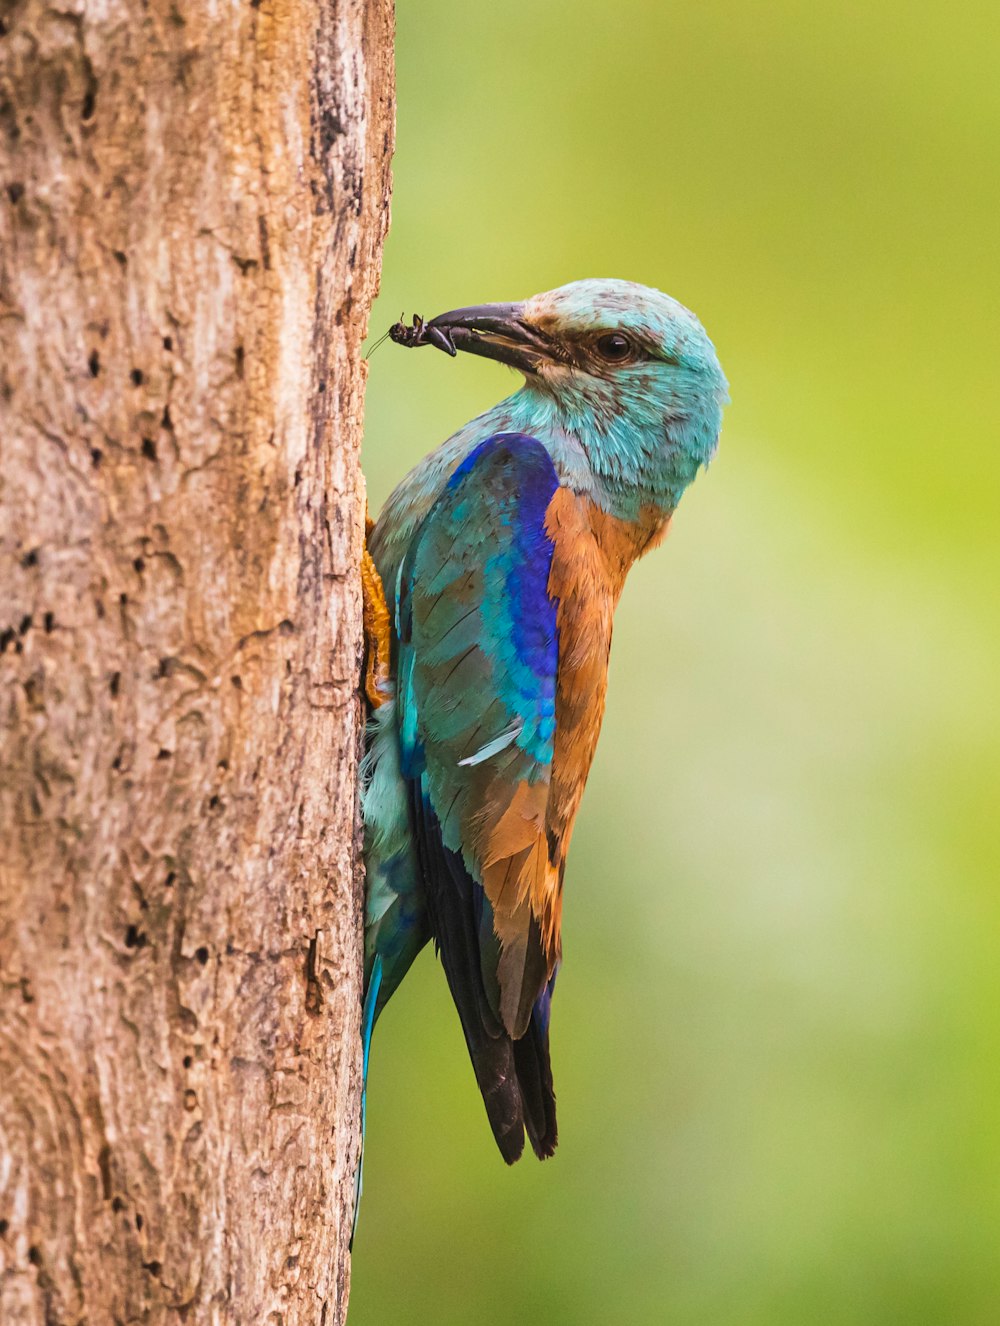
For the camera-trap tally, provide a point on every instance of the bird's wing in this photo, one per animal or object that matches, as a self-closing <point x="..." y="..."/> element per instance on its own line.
<point x="477" y="687"/>
<point x="504" y="605"/>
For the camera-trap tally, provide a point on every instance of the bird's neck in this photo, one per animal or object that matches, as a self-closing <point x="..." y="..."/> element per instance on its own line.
<point x="624" y="468"/>
<point x="634" y="475"/>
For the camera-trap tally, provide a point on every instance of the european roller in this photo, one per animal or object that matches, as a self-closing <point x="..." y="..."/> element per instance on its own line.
<point x="502" y="556"/>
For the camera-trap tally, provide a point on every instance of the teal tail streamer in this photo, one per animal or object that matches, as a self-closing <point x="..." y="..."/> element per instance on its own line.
<point x="367" y="1026"/>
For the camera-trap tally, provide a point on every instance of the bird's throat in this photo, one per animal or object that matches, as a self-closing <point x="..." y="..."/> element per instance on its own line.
<point x="626" y="469"/>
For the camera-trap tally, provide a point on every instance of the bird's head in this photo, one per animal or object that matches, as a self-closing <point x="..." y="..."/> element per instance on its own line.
<point x="626" y="369"/>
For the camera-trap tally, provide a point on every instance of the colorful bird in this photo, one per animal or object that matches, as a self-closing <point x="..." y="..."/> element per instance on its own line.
<point x="505" y="552"/>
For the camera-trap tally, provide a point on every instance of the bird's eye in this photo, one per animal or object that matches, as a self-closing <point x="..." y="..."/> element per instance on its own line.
<point x="614" y="348"/>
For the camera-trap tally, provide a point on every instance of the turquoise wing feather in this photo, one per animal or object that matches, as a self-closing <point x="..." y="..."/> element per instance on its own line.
<point x="477" y="670"/>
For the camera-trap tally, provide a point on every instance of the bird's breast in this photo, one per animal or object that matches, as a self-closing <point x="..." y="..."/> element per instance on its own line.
<point x="592" y="552"/>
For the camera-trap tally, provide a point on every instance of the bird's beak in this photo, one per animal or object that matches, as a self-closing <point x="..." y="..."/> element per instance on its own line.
<point x="497" y="331"/>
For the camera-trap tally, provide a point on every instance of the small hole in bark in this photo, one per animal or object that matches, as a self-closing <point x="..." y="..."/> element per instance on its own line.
<point x="168" y="343"/>
<point x="237" y="682"/>
<point x="298" y="478"/>
<point x="34" y="1256"/>
<point x="94" y="363"/>
<point x="4" y="1226"/>
<point x="223" y="764"/>
<point x="5" y="638"/>
<point x="48" y="621"/>
<point x="201" y="954"/>
<point x="136" y="376"/>
<point x="166" y="421"/>
<point x="116" y="763"/>
<point x="190" y="1100"/>
<point x="3" y="33"/>
<point x="104" y="1165"/>
<point x="89" y="101"/>
<point x="168" y="883"/>
<point x="240" y="356"/>
<point x="138" y="1221"/>
<point x="134" y="937"/>
<point x="99" y="609"/>
<point x="164" y="669"/>
<point x="149" y="448"/>
<point x="119" y="257"/>
<point x="96" y="456"/>
<point x="164" y="754"/>
<point x="187" y="1061"/>
<point x="115" y="683"/>
<point x="26" y="995"/>
<point x="15" y="192"/>
<point x="139" y="565"/>
<point x="123" y="600"/>
<point x="117" y="1204"/>
<point x="25" y="626"/>
<point x="154" y="1268"/>
<point x="322" y="385"/>
<point x="30" y="558"/>
<point x="214" y="803"/>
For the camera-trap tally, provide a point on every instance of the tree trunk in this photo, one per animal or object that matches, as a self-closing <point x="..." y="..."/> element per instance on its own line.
<point x="193" y="204"/>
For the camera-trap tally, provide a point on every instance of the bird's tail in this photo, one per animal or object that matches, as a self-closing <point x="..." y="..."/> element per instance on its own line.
<point x="534" y="1076"/>
<point x="496" y="1074"/>
<point x="367" y="1027"/>
<point x="515" y="1078"/>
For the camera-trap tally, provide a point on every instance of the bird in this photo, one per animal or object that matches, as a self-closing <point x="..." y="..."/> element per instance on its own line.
<point x="505" y="551"/>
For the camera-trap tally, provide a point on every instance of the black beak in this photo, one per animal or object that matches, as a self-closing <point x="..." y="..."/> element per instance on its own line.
<point x="496" y="331"/>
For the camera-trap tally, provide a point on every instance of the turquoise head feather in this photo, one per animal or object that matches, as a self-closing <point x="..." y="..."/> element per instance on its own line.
<point x="622" y="379"/>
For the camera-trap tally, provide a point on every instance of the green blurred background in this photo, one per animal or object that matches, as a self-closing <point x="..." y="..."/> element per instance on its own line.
<point x="777" y="1030"/>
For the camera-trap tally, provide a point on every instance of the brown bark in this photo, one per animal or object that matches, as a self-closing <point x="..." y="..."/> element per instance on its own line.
<point x="193" y="203"/>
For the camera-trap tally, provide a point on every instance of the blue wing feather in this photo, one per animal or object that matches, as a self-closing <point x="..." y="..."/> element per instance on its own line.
<point x="478" y="656"/>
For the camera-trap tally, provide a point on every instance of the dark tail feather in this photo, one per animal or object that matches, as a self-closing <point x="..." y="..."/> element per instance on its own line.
<point x="496" y="1074"/>
<point x="534" y="1075"/>
<point x="514" y="1077"/>
<point x="450" y="893"/>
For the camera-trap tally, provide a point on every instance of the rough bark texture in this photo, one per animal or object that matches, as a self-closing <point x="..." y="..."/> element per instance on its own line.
<point x="192" y="203"/>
